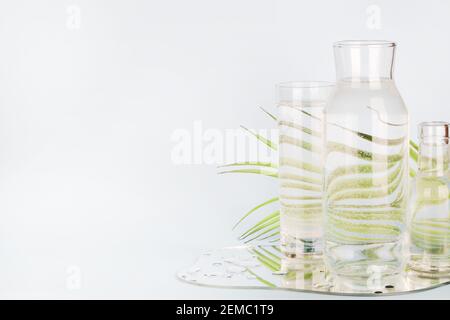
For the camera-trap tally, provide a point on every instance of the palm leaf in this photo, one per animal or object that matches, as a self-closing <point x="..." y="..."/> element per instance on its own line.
<point x="251" y="163"/>
<point x="263" y="281"/>
<point x="263" y="172"/>
<point x="414" y="145"/>
<point x="258" y="236"/>
<point x="266" y="221"/>
<point x="267" y="262"/>
<point x="256" y="208"/>
<point x="267" y="142"/>
<point x="269" y="114"/>
<point x="268" y="259"/>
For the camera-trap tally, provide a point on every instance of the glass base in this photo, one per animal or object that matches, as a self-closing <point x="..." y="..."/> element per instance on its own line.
<point x="430" y="265"/>
<point x="266" y="267"/>
<point x="364" y="261"/>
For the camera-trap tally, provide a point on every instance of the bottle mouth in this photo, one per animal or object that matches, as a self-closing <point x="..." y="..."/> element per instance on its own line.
<point x="364" y="43"/>
<point x="434" y="130"/>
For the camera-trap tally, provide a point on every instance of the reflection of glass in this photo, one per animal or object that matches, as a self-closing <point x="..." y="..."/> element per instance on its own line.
<point x="366" y="165"/>
<point x="417" y="281"/>
<point x="302" y="274"/>
<point x="430" y="221"/>
<point x="300" y="122"/>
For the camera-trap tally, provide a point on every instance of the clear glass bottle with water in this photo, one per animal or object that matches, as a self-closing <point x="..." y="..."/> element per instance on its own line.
<point x="366" y="163"/>
<point x="300" y="122"/>
<point x="429" y="226"/>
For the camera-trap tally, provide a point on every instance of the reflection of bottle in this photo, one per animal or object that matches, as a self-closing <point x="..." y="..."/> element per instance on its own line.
<point x="366" y="163"/>
<point x="430" y="221"/>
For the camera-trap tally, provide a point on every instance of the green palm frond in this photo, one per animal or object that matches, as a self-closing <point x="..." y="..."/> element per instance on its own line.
<point x="269" y="114"/>
<point x="300" y="128"/>
<point x="265" y="232"/>
<point x="265" y="203"/>
<point x="413" y="153"/>
<point x="262" y="280"/>
<point x="267" y="258"/>
<point x="263" y="172"/>
<point x="272" y="145"/>
<point x="269" y="220"/>
<point x="251" y="163"/>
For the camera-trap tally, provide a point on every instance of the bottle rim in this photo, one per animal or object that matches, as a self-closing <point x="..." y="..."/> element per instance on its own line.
<point x="434" y="130"/>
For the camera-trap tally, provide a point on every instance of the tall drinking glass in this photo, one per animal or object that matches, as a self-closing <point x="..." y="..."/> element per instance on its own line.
<point x="301" y="109"/>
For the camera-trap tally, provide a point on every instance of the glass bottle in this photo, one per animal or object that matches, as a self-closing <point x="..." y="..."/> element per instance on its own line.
<point x="366" y="163"/>
<point x="300" y="122"/>
<point x="429" y="226"/>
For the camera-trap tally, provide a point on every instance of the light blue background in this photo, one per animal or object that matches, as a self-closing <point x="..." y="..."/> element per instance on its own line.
<point x="88" y="192"/>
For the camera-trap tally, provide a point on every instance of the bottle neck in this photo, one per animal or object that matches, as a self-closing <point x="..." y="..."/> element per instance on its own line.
<point x="362" y="61"/>
<point x="433" y="158"/>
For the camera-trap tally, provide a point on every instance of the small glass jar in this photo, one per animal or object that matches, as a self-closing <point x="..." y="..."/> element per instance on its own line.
<point x="429" y="223"/>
